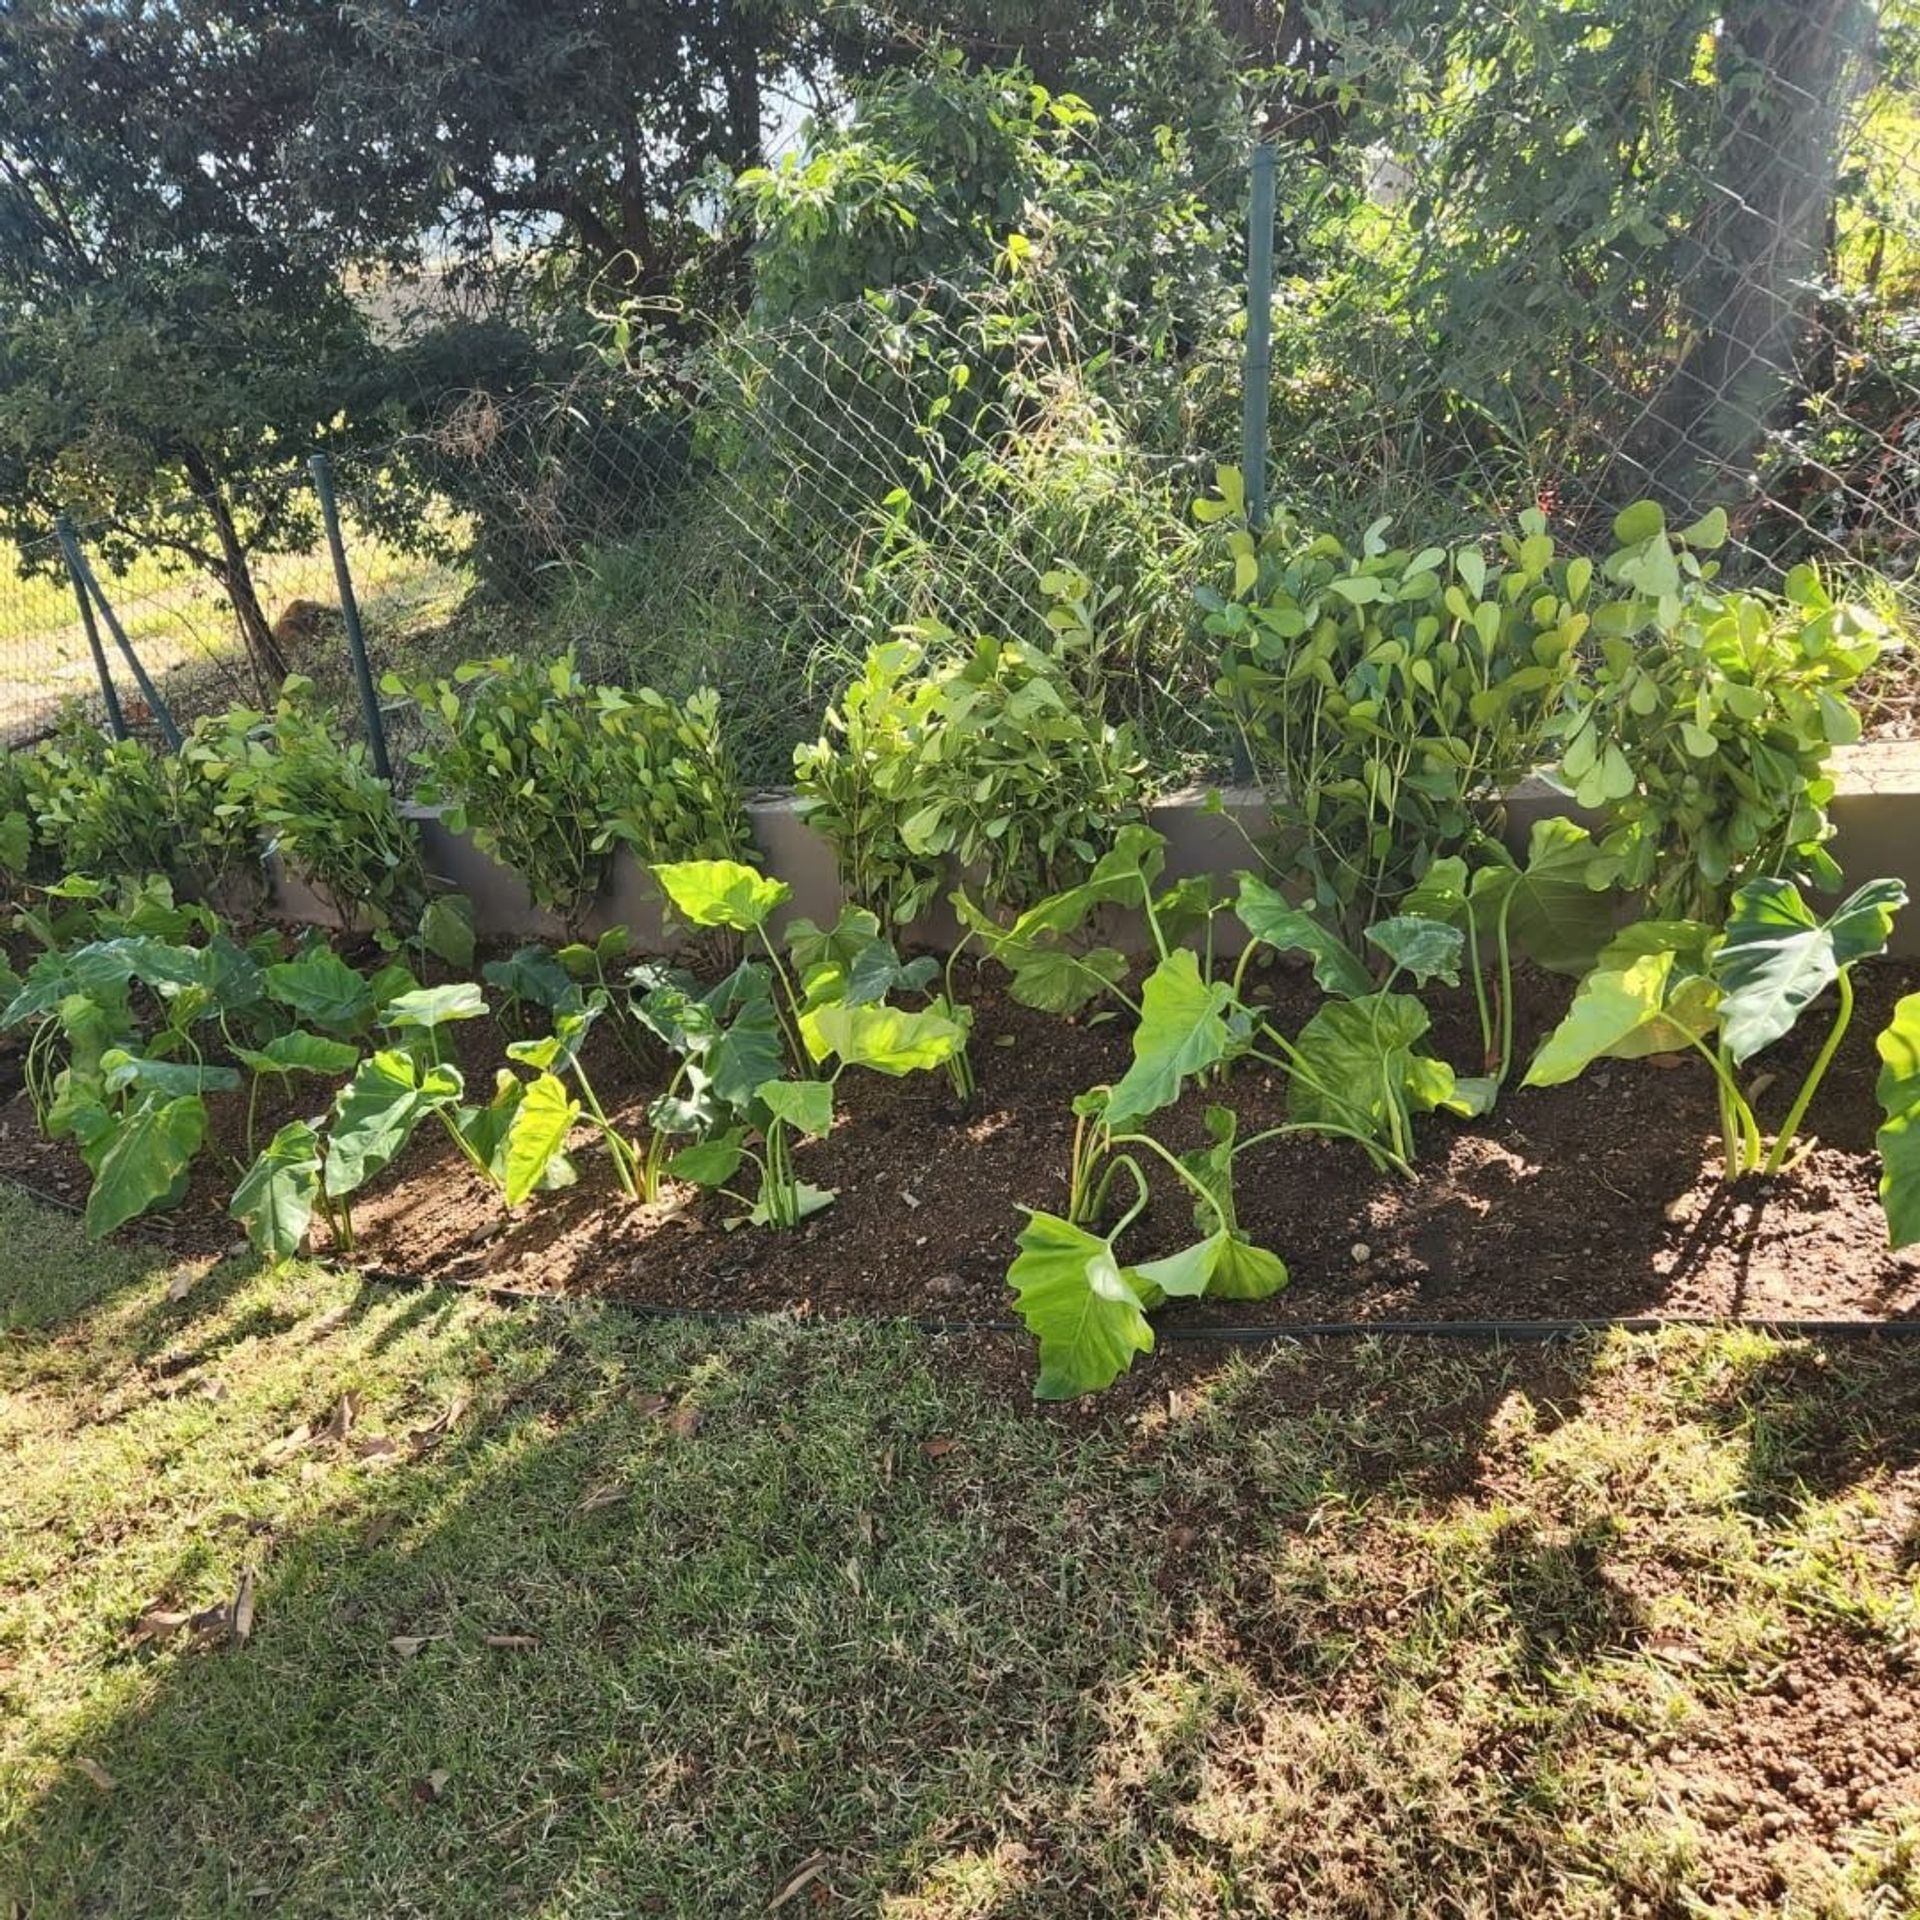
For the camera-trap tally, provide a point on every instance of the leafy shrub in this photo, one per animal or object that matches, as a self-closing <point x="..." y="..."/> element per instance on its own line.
<point x="549" y="774"/>
<point x="987" y="761"/>
<point x="1704" y="723"/>
<point x="1387" y="698"/>
<point x="326" y="813"/>
<point x="123" y="807"/>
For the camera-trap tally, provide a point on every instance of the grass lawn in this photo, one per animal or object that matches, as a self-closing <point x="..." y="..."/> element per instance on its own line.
<point x="564" y="1612"/>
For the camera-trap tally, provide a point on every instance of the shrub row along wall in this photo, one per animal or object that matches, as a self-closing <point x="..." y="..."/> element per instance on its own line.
<point x="1875" y="812"/>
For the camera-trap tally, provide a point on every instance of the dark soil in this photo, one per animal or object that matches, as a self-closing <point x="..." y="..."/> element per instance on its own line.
<point x="1599" y="1199"/>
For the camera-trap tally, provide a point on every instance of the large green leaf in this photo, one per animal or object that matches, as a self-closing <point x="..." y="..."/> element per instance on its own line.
<point x="1899" y="1136"/>
<point x="141" y="1159"/>
<point x="1243" y="1271"/>
<point x="1123" y="876"/>
<point x="1054" y="979"/>
<point x="720" y="893"/>
<point x="1556" y="918"/>
<point x="711" y="1163"/>
<point x="275" y="1200"/>
<point x="1226" y="1265"/>
<point x="1612" y="1017"/>
<point x="376" y="1113"/>
<point x="748" y="1046"/>
<point x="1269" y="915"/>
<point x="533" y="975"/>
<point x="543" y="1117"/>
<point x="892" y="1040"/>
<point x="1359" y="1065"/>
<point x="1777" y="957"/>
<point x="446" y="929"/>
<point x="322" y="989"/>
<point x="300" y="1052"/>
<point x="1182" y="1031"/>
<point x="121" y="1070"/>
<point x="428" y="1007"/>
<point x="803" y="1104"/>
<point x="1426" y="948"/>
<point x="1084" y="1311"/>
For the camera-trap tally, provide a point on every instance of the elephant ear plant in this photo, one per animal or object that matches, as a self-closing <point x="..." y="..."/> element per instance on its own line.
<point x="515" y="1141"/>
<point x="117" y="1060"/>
<point x="767" y="1047"/>
<point x="1726" y="993"/>
<point x="1356" y="1071"/>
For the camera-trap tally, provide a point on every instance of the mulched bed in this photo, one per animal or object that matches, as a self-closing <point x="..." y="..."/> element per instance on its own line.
<point x="1600" y="1199"/>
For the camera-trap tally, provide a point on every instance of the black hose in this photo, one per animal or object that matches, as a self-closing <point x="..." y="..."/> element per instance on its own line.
<point x="1514" y="1331"/>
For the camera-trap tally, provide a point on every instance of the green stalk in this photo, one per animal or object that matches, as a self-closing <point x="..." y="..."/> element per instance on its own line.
<point x="1739" y="1131"/>
<point x="618" y="1149"/>
<point x="1789" y="1127"/>
<point x="1505" y="952"/>
<point x="1479" y="985"/>
<point x="1197" y="1188"/>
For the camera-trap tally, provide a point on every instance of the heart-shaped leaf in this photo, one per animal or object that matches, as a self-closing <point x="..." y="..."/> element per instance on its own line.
<point x="1078" y="1304"/>
<point x="275" y="1200"/>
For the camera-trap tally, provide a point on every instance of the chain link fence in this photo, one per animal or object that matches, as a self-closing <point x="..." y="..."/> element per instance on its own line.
<point x="1552" y="286"/>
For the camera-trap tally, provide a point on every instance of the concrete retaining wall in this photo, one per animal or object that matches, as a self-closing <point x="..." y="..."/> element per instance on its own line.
<point x="1876" y="815"/>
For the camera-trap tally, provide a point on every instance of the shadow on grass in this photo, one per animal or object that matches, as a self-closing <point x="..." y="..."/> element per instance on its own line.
<point x="581" y="1615"/>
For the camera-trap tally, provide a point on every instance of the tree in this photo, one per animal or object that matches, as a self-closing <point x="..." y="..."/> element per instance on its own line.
<point x="1783" y="72"/>
<point x="174" y="320"/>
<point x="574" y="133"/>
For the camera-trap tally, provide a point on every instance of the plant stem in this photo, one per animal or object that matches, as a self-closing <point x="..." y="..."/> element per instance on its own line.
<point x="1789" y="1127"/>
<point x="617" y="1148"/>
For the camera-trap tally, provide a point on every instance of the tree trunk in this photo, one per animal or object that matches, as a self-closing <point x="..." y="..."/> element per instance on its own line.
<point x="1785" y="71"/>
<point x="235" y="574"/>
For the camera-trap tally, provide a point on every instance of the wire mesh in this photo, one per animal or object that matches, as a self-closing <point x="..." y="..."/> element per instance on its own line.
<point x="1521" y="270"/>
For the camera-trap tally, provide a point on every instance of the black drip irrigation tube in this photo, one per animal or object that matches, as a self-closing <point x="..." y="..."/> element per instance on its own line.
<point x="1497" y="1332"/>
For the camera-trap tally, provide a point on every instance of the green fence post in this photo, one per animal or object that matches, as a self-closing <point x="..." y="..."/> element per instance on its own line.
<point x="162" y="713"/>
<point x="70" y="548"/>
<point x="322" y="470"/>
<point x="1258" y="375"/>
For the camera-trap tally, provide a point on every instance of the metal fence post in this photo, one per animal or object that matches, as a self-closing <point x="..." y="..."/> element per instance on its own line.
<point x="322" y="469"/>
<point x="1258" y="375"/>
<point x="70" y="548"/>
<point x="162" y="713"/>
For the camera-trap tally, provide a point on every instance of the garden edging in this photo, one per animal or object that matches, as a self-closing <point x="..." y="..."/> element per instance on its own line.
<point x="1875" y="812"/>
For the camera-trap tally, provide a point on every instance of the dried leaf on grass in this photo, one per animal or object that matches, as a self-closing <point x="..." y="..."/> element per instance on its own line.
<point x="431" y="1786"/>
<point x="242" y="1620"/>
<point x="442" y="1424"/>
<point x="95" y="1772"/>
<point x="512" y="1642"/>
<point x="406" y="1645"/>
<point x="802" y="1877"/>
<point x="158" y="1623"/>
<point x="287" y="1445"/>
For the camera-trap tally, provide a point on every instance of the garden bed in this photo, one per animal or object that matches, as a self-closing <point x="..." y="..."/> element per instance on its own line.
<point x="1598" y="1199"/>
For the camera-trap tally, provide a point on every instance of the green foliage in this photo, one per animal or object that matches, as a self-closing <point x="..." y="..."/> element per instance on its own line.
<point x="174" y="321"/>
<point x="986" y="764"/>
<point x="1086" y="1312"/>
<point x="327" y="815"/>
<point x="549" y="773"/>
<point x="761" y="1053"/>
<point x="1704" y="723"/>
<point x="118" y="808"/>
<point x="1898" y="1090"/>
<point x="1387" y="698"/>
<point x="1664" y="986"/>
